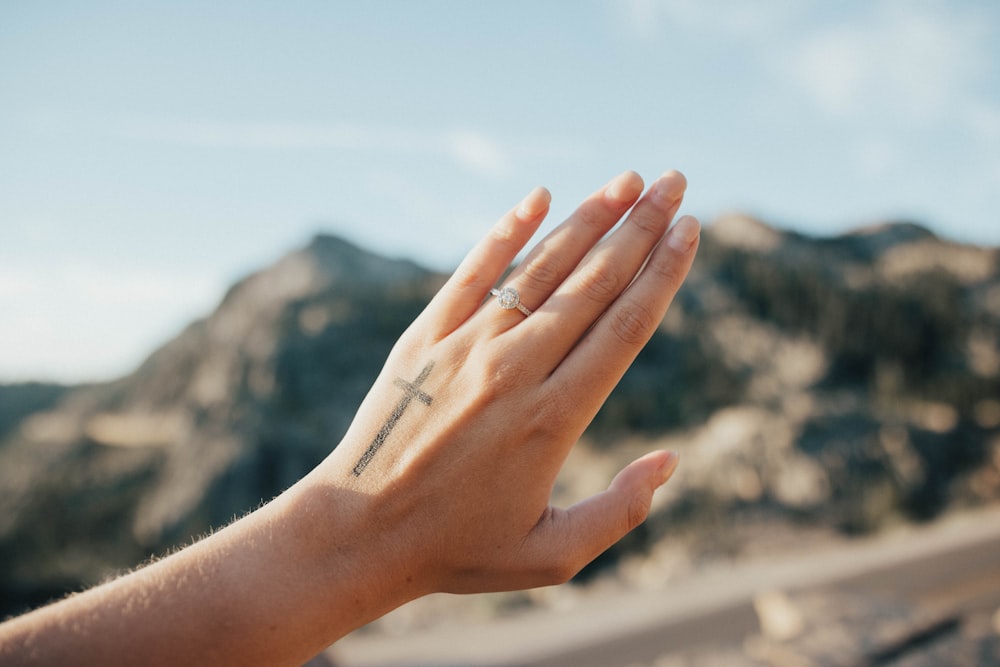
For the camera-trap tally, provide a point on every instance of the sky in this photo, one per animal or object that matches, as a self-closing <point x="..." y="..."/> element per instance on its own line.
<point x="152" y="153"/>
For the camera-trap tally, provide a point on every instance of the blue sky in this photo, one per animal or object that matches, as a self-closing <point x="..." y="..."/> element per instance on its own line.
<point x="151" y="153"/>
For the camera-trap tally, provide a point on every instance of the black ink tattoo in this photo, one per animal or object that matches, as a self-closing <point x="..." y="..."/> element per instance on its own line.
<point x="411" y="390"/>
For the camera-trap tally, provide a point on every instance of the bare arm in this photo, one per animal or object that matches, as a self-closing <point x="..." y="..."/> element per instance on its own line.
<point x="442" y="482"/>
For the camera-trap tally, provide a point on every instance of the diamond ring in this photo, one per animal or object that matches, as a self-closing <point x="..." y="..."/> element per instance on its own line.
<point x="509" y="298"/>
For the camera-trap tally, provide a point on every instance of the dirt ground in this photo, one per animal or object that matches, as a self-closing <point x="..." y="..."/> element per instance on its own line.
<point x="897" y="589"/>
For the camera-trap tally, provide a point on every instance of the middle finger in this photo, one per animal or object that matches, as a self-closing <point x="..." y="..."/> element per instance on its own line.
<point x="605" y="273"/>
<point x="556" y="256"/>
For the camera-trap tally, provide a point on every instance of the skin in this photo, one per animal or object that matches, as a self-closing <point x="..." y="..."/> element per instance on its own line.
<point x="455" y="496"/>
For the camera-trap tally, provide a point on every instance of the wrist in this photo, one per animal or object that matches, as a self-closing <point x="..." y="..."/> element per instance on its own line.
<point x="359" y="567"/>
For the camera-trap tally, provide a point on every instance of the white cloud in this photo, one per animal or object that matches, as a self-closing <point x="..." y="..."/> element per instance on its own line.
<point x="734" y="18"/>
<point x="469" y="148"/>
<point x="641" y="17"/>
<point x="984" y="120"/>
<point x="908" y="59"/>
<point x="273" y="135"/>
<point x="479" y="152"/>
<point x="80" y="321"/>
<point x="830" y="68"/>
<point x="917" y="60"/>
<point x="876" y="158"/>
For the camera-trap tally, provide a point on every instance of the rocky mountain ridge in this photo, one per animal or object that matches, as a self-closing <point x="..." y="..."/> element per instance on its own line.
<point x="843" y="382"/>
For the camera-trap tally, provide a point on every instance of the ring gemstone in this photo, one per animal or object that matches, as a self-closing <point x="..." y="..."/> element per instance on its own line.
<point x="508" y="298"/>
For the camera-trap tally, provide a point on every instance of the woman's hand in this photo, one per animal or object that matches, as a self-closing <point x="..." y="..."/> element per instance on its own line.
<point x="456" y="448"/>
<point x="442" y="482"/>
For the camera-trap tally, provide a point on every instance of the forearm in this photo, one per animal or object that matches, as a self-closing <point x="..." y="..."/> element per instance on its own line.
<point x="268" y="589"/>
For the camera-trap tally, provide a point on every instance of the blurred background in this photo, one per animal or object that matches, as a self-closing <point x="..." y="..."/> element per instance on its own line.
<point x="217" y="217"/>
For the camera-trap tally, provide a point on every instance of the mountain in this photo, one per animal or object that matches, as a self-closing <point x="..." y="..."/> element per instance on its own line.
<point x="843" y="382"/>
<point x="19" y="400"/>
<point x="221" y="418"/>
<point x="849" y="382"/>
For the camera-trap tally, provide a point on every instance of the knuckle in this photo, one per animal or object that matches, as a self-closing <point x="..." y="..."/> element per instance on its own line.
<point x="667" y="268"/>
<point x="638" y="510"/>
<point x="649" y="222"/>
<point x="498" y="371"/>
<point x="504" y="235"/>
<point x="561" y="570"/>
<point x="632" y="323"/>
<point x="544" y="272"/>
<point x="552" y="409"/>
<point x="499" y="375"/>
<point x="596" y="214"/>
<point x="600" y="284"/>
<point x="466" y="278"/>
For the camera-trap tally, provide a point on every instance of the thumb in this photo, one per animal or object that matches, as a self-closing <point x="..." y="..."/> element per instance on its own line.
<point x="591" y="526"/>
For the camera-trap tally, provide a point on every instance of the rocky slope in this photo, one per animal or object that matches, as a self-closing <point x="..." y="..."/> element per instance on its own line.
<point x="218" y="420"/>
<point x="847" y="382"/>
<point x="842" y="382"/>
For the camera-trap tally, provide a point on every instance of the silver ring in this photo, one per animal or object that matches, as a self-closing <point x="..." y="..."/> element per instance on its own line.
<point x="509" y="298"/>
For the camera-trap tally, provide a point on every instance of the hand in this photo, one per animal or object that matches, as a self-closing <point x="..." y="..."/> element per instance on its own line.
<point x="442" y="482"/>
<point x="455" y="451"/>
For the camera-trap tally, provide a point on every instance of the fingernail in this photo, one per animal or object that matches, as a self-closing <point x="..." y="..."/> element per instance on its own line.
<point x="669" y="187"/>
<point x="683" y="234"/>
<point x="669" y="466"/>
<point x="625" y="187"/>
<point x="534" y="204"/>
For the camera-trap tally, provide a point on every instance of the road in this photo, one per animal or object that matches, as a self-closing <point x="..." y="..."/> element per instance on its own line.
<point x="951" y="567"/>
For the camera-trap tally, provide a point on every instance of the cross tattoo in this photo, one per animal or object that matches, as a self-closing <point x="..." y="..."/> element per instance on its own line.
<point x="411" y="390"/>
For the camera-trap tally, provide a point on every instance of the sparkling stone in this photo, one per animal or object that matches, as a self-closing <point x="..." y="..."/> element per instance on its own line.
<point x="508" y="298"/>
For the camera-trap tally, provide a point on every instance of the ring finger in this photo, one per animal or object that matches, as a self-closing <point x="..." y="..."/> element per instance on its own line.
<point x="557" y="255"/>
